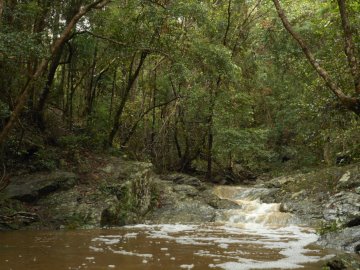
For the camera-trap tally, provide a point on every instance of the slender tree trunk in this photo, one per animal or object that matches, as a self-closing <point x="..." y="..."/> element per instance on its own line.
<point x="153" y="120"/>
<point x="112" y="94"/>
<point x="71" y="99"/>
<point x="1" y="10"/>
<point x="61" y="88"/>
<point x="328" y="157"/>
<point x="351" y="103"/>
<point x="213" y="93"/>
<point x="55" y="47"/>
<point x="210" y="140"/>
<point x="129" y="86"/>
<point x="46" y="91"/>
<point x="349" y="45"/>
<point x="90" y="89"/>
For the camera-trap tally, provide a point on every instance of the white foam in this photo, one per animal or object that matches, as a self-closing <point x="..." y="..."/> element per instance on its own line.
<point x="129" y="253"/>
<point x="254" y="225"/>
<point x="131" y="235"/>
<point x="107" y="241"/>
<point x="96" y="249"/>
<point x="187" y="266"/>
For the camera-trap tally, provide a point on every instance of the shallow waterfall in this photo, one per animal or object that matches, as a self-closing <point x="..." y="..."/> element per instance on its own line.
<point x="253" y="236"/>
<point x="251" y="210"/>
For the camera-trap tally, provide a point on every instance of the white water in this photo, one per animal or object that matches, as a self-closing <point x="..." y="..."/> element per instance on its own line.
<point x="255" y="236"/>
<point x="252" y="212"/>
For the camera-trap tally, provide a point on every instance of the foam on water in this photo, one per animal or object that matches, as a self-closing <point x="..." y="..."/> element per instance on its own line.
<point x="244" y="238"/>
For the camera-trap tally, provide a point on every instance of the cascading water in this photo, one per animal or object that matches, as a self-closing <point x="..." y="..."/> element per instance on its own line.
<point x="268" y="227"/>
<point x="252" y="236"/>
<point x="251" y="210"/>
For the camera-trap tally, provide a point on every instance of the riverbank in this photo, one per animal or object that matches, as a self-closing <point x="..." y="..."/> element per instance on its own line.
<point x="115" y="192"/>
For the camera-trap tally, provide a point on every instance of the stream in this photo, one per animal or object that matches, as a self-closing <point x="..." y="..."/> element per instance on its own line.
<point x="255" y="236"/>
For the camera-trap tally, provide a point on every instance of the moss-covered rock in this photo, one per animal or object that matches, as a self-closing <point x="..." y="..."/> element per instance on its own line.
<point x="29" y="188"/>
<point x="326" y="198"/>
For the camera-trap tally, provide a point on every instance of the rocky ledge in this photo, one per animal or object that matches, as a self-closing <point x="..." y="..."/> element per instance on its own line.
<point x="115" y="193"/>
<point x="328" y="199"/>
<point x="118" y="192"/>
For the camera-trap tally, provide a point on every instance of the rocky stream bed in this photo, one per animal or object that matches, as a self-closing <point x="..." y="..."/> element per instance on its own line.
<point x="118" y="193"/>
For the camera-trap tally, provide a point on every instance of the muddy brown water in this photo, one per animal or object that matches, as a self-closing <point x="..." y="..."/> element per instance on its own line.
<point x="255" y="237"/>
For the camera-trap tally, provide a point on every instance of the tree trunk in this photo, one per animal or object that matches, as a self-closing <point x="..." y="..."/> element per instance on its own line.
<point x="46" y="91"/>
<point x="131" y="81"/>
<point x="209" y="152"/>
<point x="1" y="10"/>
<point x="55" y="47"/>
<point x="349" y="45"/>
<point x="90" y="89"/>
<point x="351" y="103"/>
<point x="112" y="94"/>
<point x="328" y="157"/>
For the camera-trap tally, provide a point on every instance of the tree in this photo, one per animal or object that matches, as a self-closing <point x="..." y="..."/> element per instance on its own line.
<point x="41" y="68"/>
<point x="352" y="103"/>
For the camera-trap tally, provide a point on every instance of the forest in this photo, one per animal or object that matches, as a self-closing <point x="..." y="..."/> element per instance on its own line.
<point x="180" y="134"/>
<point x="208" y="87"/>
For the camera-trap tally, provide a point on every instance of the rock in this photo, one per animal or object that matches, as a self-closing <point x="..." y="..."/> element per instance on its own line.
<point x="347" y="239"/>
<point x="118" y="169"/>
<point x="343" y="262"/>
<point x="299" y="195"/>
<point x="182" y="179"/>
<point x="180" y="204"/>
<point x="188" y="211"/>
<point x="306" y="210"/>
<point x="270" y="195"/>
<point x="214" y="201"/>
<point x="279" y="182"/>
<point x="30" y="188"/>
<point x="17" y="220"/>
<point x="349" y="180"/>
<point x="343" y="208"/>
<point x="75" y="208"/>
<point x="186" y="190"/>
<point x="116" y="216"/>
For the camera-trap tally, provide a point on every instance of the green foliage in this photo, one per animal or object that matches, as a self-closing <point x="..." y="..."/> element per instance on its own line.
<point x="76" y="221"/>
<point x="327" y="227"/>
<point x="44" y="159"/>
<point x="75" y="141"/>
<point x="4" y="110"/>
<point x="210" y="68"/>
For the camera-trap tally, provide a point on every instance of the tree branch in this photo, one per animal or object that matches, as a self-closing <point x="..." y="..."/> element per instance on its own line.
<point x="349" y="102"/>
<point x="54" y="48"/>
<point x="349" y="45"/>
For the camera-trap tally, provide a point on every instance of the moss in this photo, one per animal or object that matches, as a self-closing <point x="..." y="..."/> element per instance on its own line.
<point x="324" y="180"/>
<point x="136" y="198"/>
<point x="326" y="227"/>
<point x="76" y="221"/>
<point x="10" y="207"/>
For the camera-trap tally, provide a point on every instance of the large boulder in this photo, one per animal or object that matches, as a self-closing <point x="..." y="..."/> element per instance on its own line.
<point x="180" y="204"/>
<point x="30" y="188"/>
<point x="344" y="209"/>
<point x="347" y="239"/>
<point x="182" y="179"/>
<point x="74" y="208"/>
<point x="343" y="262"/>
<point x="350" y="179"/>
<point x="188" y="211"/>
